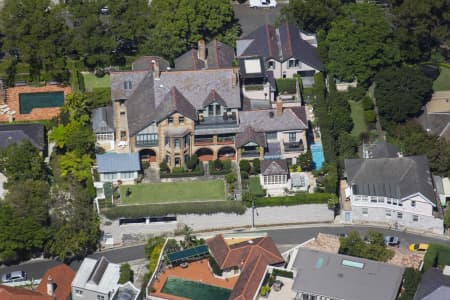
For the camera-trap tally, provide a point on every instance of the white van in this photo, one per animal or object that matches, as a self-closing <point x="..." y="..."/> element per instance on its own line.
<point x="262" y="3"/>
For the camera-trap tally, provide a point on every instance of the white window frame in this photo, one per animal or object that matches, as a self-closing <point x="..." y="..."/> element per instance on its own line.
<point x="365" y="211"/>
<point x="399" y="215"/>
<point x="415" y="218"/>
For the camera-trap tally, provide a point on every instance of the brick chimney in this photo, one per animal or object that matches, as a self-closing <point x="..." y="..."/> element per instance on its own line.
<point x="155" y="66"/>
<point x="279" y="107"/>
<point x="201" y="51"/>
<point x="50" y="290"/>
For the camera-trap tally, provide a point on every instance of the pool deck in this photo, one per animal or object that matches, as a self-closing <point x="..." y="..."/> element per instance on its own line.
<point x="37" y="113"/>
<point x="196" y="271"/>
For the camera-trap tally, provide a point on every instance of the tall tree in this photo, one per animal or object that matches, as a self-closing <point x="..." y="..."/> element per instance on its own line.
<point x="177" y="25"/>
<point x="421" y="27"/>
<point x="359" y="43"/>
<point x="401" y="92"/>
<point x="35" y="33"/>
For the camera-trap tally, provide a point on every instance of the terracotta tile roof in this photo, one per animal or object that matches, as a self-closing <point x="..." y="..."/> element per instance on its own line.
<point x="13" y="293"/>
<point x="252" y="258"/>
<point x="62" y="276"/>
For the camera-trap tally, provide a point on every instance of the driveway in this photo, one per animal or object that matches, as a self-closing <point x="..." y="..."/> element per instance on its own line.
<point x="252" y="18"/>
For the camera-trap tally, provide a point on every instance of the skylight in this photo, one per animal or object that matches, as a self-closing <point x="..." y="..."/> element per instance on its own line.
<point x="353" y="264"/>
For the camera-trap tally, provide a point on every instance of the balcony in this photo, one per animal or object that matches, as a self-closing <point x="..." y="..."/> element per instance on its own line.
<point x="225" y="140"/>
<point x="217" y="122"/>
<point x="202" y="141"/>
<point x="146" y="140"/>
<point x="147" y="143"/>
<point x="250" y="153"/>
<point x="293" y="146"/>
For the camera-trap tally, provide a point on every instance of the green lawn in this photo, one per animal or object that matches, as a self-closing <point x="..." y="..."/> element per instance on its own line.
<point x="358" y="117"/>
<point x="442" y="83"/>
<point x="174" y="192"/>
<point x="256" y="188"/>
<point x="91" y="81"/>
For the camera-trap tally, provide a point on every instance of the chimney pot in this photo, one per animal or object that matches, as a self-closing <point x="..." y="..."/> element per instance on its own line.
<point x="201" y="51"/>
<point x="50" y="290"/>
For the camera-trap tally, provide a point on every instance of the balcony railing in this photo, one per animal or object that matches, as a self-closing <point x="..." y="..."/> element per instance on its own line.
<point x="250" y="153"/>
<point x="225" y="140"/>
<point x="217" y="122"/>
<point x="203" y="141"/>
<point x="293" y="146"/>
<point x="146" y="143"/>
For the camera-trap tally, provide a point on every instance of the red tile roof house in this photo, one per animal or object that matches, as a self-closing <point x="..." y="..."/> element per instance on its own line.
<point x="55" y="285"/>
<point x="247" y="259"/>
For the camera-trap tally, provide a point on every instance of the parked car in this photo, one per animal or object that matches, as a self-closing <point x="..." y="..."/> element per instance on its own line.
<point x="262" y="3"/>
<point x="418" y="247"/>
<point x="15" y="276"/>
<point x="391" y="240"/>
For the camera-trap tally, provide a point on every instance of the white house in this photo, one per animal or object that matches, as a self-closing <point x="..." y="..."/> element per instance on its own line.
<point x="103" y="127"/>
<point x="396" y="191"/>
<point x="274" y="177"/>
<point x="118" y="166"/>
<point x="285" y="50"/>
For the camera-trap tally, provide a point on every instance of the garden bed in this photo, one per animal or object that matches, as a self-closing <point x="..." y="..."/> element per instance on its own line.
<point x="297" y="199"/>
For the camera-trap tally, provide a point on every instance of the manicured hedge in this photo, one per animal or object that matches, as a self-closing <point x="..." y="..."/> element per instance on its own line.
<point x="300" y="198"/>
<point x="436" y="254"/>
<point x="286" y="85"/>
<point x="203" y="208"/>
<point x="193" y="173"/>
<point x="283" y="273"/>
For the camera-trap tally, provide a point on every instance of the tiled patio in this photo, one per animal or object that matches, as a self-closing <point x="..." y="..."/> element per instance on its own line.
<point x="36" y="113"/>
<point x="196" y="271"/>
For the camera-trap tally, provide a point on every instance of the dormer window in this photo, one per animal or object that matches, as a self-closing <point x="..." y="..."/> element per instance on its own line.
<point x="127" y="85"/>
<point x="170" y="120"/>
<point x="270" y="65"/>
<point x="293" y="63"/>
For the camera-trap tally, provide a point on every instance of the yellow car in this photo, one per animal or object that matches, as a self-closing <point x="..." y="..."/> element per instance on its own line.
<point x="418" y="247"/>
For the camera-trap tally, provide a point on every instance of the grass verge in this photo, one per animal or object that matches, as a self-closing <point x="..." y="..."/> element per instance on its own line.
<point x="91" y="81"/>
<point x="358" y="117"/>
<point x="300" y="198"/>
<point x="442" y="83"/>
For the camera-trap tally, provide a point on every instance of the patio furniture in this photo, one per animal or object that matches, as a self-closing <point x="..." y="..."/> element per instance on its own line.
<point x="277" y="284"/>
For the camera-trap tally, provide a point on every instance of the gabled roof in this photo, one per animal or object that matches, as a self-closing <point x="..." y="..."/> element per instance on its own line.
<point x="62" y="276"/>
<point x="218" y="55"/>
<point x="396" y="178"/>
<point x="280" y="43"/>
<point x="274" y="167"/>
<point x="103" y="119"/>
<point x="174" y="102"/>
<point x="249" y="135"/>
<point x="18" y="133"/>
<point x="118" y="79"/>
<point x="268" y="120"/>
<point x="251" y="257"/>
<point x="430" y="282"/>
<point x="118" y="162"/>
<point x="97" y="275"/>
<point x="214" y="97"/>
<point x="382" y="149"/>
<point x="145" y="63"/>
<point x="13" y="293"/>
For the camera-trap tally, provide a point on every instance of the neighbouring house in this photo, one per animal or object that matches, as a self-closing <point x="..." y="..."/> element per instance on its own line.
<point x="14" y="293"/>
<point x="103" y="127"/>
<point x="247" y="259"/>
<point x="257" y="82"/>
<point x="285" y="50"/>
<point x="434" y="285"/>
<point x="57" y="282"/>
<point x="323" y="275"/>
<point x="214" y="55"/>
<point x="436" y="116"/>
<point x="274" y="177"/>
<point x="96" y="280"/>
<point x="112" y="167"/>
<point x="442" y="185"/>
<point x="127" y="291"/>
<point x="19" y="133"/>
<point x="397" y="191"/>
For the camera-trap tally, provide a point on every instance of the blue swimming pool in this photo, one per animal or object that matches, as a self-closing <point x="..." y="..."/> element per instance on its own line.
<point x="317" y="156"/>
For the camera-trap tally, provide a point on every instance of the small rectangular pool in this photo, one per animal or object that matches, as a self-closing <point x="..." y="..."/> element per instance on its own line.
<point x="28" y="101"/>
<point x="317" y="156"/>
<point x="194" y="290"/>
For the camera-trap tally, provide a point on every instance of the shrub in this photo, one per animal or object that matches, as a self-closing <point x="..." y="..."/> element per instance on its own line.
<point x="192" y="162"/>
<point x="223" y="171"/>
<point x="145" y="164"/>
<point x="218" y="164"/>
<point x="230" y="178"/>
<point x="126" y="274"/>
<point x="367" y="103"/>
<point x="411" y="279"/>
<point x="244" y="175"/>
<point x="178" y="170"/>
<point x="201" y="208"/>
<point x="244" y="165"/>
<point x="370" y="116"/>
<point x="264" y="290"/>
<point x="226" y="164"/>
<point x="297" y="199"/>
<point x="282" y="273"/>
<point x="356" y="94"/>
<point x="436" y="255"/>
<point x="256" y="166"/>
<point x="164" y="168"/>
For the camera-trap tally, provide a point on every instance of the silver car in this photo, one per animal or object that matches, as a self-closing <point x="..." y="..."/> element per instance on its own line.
<point x="391" y="240"/>
<point x="15" y="276"/>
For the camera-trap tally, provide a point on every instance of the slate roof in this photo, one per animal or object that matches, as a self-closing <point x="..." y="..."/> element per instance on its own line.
<point x="382" y="149"/>
<point x="431" y="280"/>
<point x="144" y="63"/>
<point x="18" y="133"/>
<point x="251" y="258"/>
<point x="62" y="276"/>
<point x="250" y="135"/>
<point x="173" y="102"/>
<point x="103" y="119"/>
<point x="280" y="43"/>
<point x="118" y="79"/>
<point x="436" y="123"/>
<point x="269" y="120"/>
<point x="396" y="178"/>
<point x="218" y="55"/>
<point x="118" y="162"/>
<point x="274" y="167"/>
<point x="324" y="274"/>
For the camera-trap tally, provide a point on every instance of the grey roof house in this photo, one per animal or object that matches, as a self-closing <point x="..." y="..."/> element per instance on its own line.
<point x="18" y="133"/>
<point x="335" y="276"/>
<point x="118" y="166"/>
<point x="434" y="285"/>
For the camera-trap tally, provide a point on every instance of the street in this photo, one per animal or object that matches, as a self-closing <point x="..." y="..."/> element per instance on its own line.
<point x="284" y="239"/>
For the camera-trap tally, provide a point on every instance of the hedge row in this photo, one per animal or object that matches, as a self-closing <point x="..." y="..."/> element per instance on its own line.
<point x="193" y="173"/>
<point x="202" y="208"/>
<point x="300" y="198"/>
<point x="437" y="254"/>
